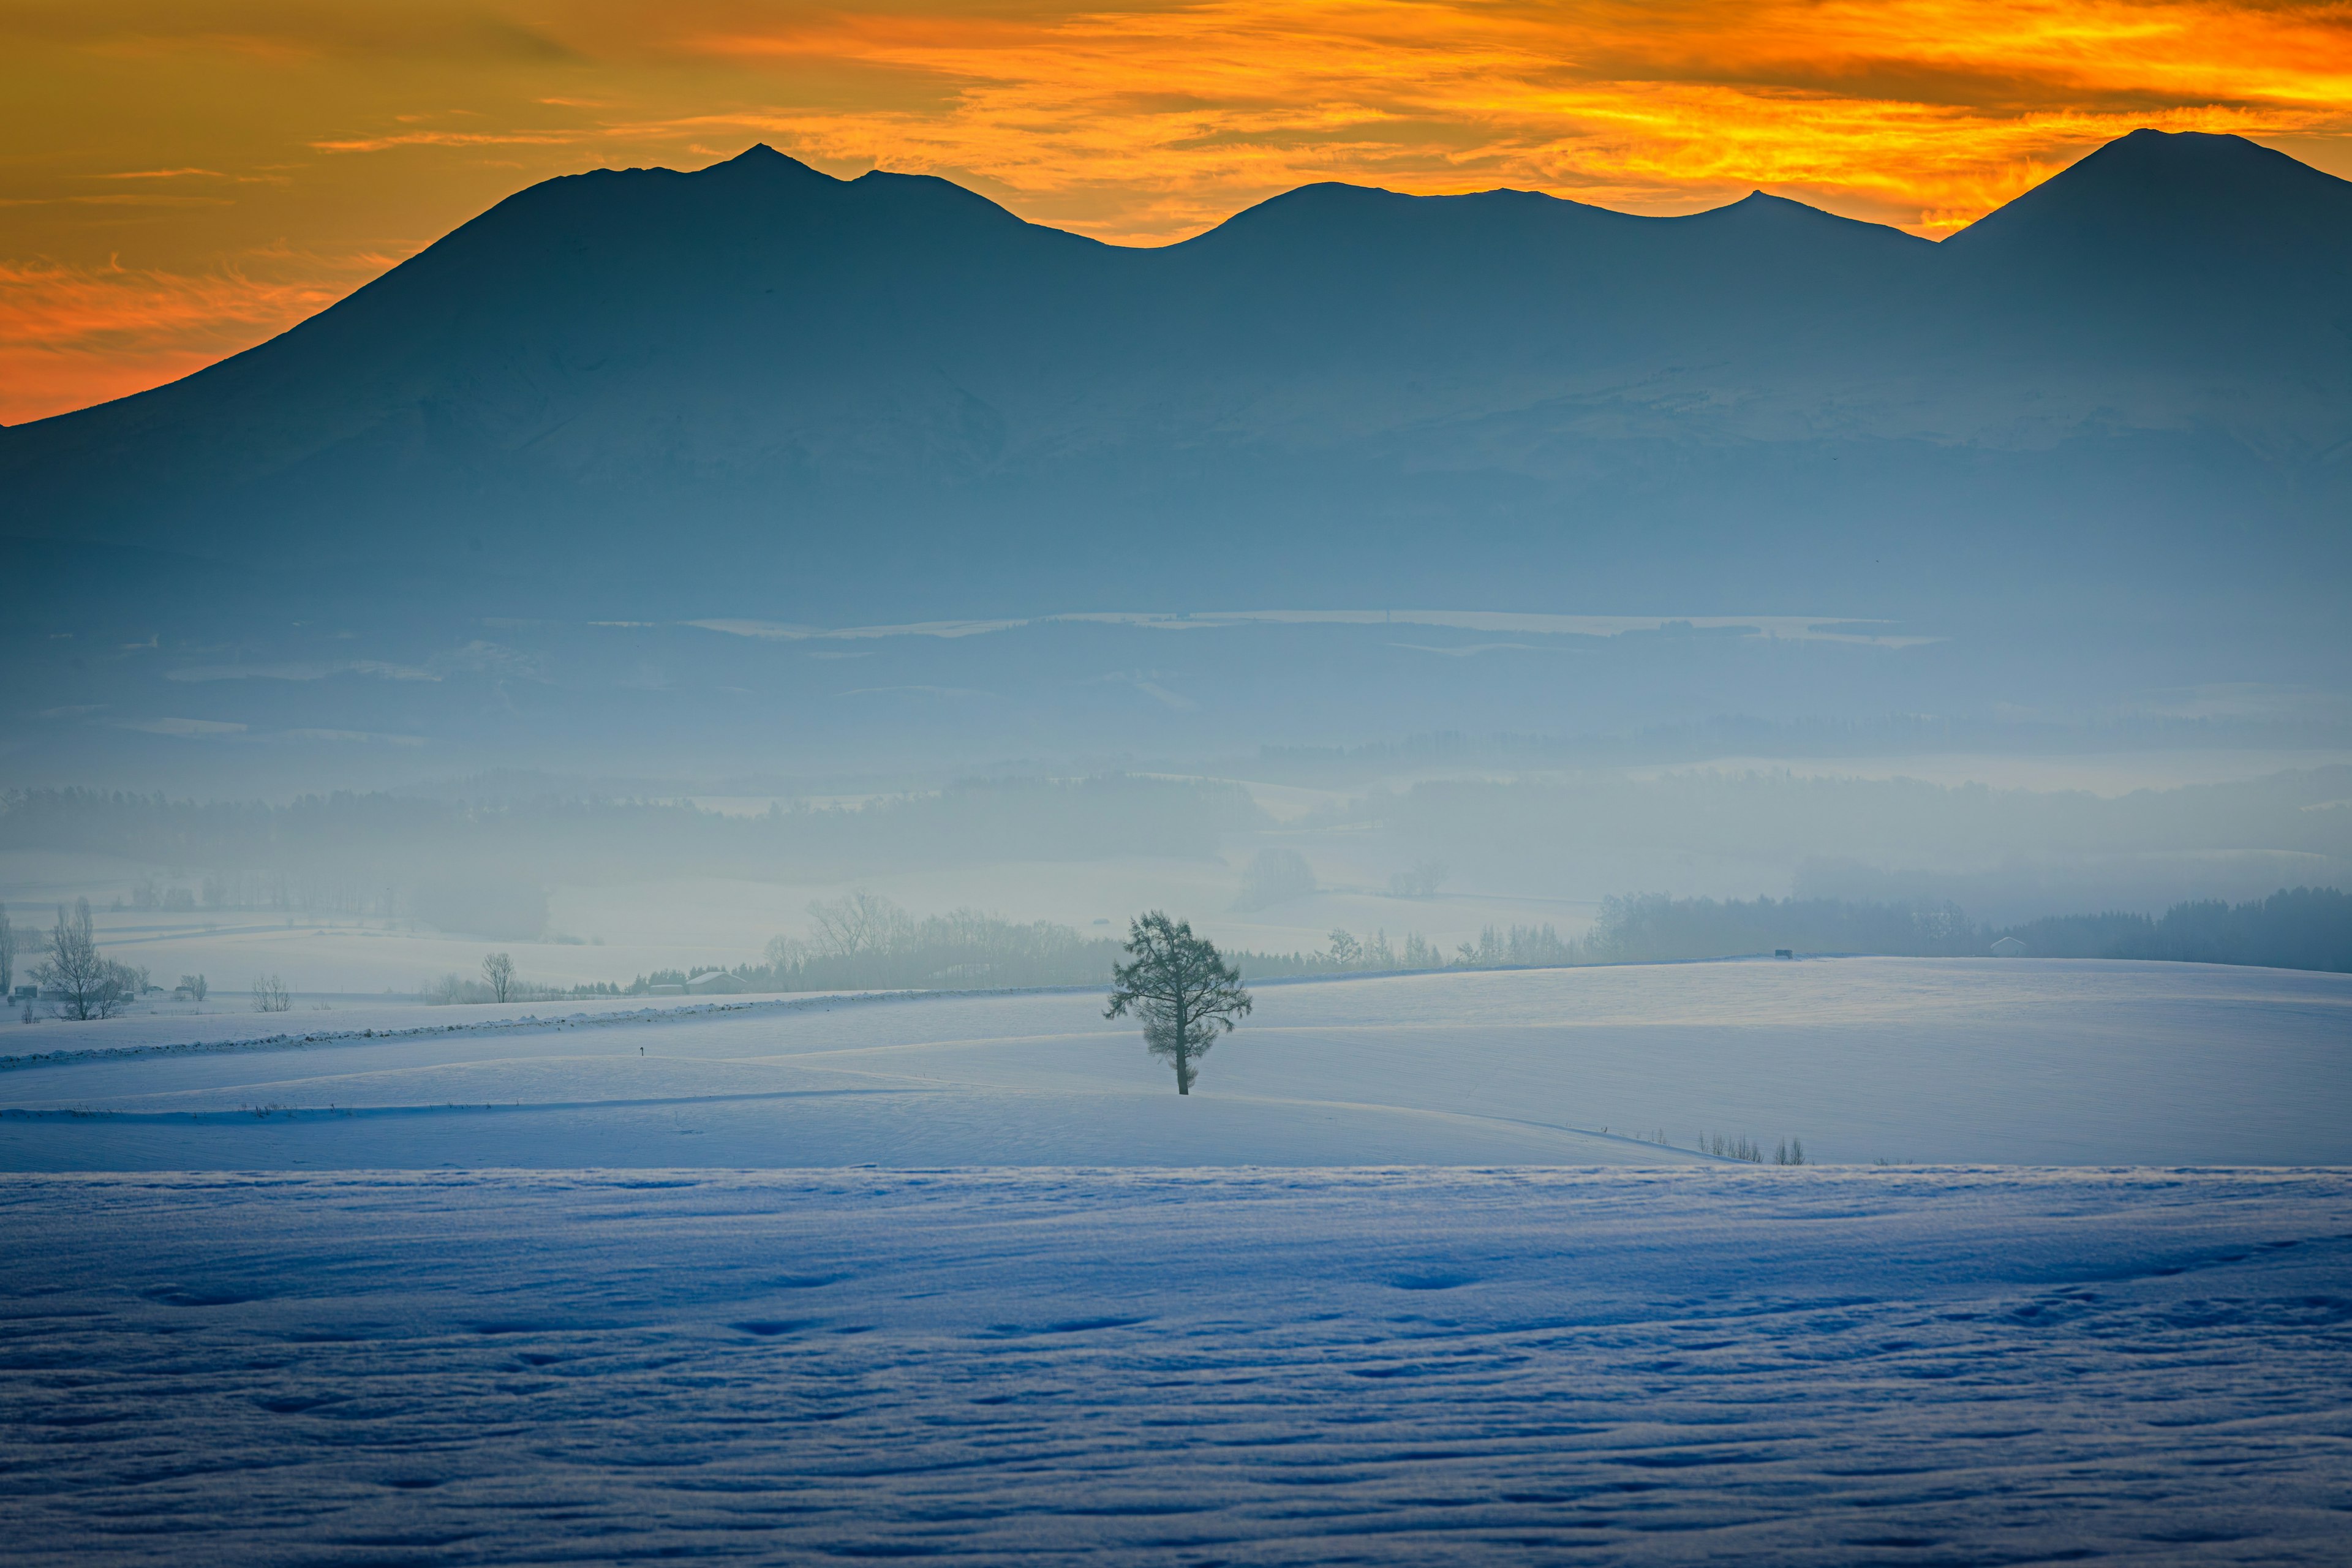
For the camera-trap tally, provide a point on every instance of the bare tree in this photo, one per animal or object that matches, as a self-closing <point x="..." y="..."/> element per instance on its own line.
<point x="858" y="922"/>
<point x="270" y="995"/>
<point x="498" y="972"/>
<point x="7" y="952"/>
<point x="87" y="985"/>
<point x="194" y="985"/>
<point x="1182" y="991"/>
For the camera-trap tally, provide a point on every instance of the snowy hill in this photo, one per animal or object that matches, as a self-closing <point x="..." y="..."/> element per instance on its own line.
<point x="1699" y="1361"/>
<point x="1862" y="1059"/>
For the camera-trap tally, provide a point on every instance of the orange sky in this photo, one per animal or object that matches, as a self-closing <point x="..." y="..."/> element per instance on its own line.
<point x="181" y="178"/>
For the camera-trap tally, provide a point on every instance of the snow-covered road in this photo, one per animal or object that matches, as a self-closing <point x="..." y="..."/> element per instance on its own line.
<point x="1710" y="1365"/>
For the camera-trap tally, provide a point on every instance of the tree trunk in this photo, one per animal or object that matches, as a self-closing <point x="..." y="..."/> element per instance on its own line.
<point x="1183" y="1041"/>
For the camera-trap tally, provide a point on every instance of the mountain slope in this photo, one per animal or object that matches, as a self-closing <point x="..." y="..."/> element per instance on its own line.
<point x="2207" y="261"/>
<point x="889" y="395"/>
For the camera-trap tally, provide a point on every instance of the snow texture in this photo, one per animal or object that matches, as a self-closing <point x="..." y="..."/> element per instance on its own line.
<point x="1710" y="1365"/>
<point x="1864" y="1060"/>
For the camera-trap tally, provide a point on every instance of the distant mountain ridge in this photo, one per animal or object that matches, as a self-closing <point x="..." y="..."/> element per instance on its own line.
<point x="757" y="389"/>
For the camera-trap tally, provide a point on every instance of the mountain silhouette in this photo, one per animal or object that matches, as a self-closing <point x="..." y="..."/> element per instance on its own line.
<point x="758" y="389"/>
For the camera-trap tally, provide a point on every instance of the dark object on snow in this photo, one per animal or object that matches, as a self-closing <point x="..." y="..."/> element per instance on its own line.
<point x="1183" y="992"/>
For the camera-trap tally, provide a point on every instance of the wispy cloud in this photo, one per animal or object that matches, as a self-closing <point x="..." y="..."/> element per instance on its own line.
<point x="353" y="737"/>
<point x="74" y="335"/>
<point x="188" y="728"/>
<point x="520" y="138"/>
<point x="376" y="669"/>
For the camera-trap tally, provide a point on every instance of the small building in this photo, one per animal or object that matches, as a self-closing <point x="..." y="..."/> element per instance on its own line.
<point x="2009" y="947"/>
<point x="718" y="982"/>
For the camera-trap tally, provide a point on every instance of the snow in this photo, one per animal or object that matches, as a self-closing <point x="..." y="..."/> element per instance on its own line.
<point x="1711" y="1364"/>
<point x="1395" y="1287"/>
<point x="2027" y="1062"/>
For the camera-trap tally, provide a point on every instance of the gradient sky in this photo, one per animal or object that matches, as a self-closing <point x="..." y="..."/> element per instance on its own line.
<point x="180" y="179"/>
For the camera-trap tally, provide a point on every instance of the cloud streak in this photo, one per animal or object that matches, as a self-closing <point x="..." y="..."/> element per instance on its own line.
<point x="75" y="335"/>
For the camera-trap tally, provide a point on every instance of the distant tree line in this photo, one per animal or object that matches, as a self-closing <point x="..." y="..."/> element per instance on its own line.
<point x="2299" y="927"/>
<point x="862" y="943"/>
<point x="1646" y="928"/>
<point x="865" y="943"/>
<point x="2303" y="928"/>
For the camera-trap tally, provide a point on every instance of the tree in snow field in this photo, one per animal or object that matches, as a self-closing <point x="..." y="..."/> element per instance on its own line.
<point x="497" y="972"/>
<point x="85" y="984"/>
<point x="1179" y="989"/>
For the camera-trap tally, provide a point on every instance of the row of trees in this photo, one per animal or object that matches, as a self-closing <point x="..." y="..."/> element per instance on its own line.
<point x="2303" y="928"/>
<point x="861" y="942"/>
<point x="2299" y="927"/>
<point x="1495" y="947"/>
<point x="1651" y="927"/>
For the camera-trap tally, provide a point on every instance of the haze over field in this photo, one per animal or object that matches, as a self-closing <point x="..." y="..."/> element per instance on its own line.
<point x="1567" y="553"/>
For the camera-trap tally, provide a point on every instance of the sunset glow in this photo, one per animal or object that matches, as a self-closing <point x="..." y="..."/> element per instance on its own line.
<point x="186" y="177"/>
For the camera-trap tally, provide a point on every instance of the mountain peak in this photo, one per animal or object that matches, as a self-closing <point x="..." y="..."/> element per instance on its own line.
<point x="2164" y="187"/>
<point x="760" y="161"/>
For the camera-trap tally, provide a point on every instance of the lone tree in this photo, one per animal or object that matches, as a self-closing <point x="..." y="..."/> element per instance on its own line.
<point x="1182" y="991"/>
<point x="498" y="971"/>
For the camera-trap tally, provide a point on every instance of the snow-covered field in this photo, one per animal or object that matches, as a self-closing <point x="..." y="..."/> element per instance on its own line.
<point x="1708" y="1365"/>
<point x="1397" y="1285"/>
<point x="2023" y="1062"/>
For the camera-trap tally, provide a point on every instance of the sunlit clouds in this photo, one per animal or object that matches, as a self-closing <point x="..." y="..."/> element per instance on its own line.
<point x="185" y="178"/>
